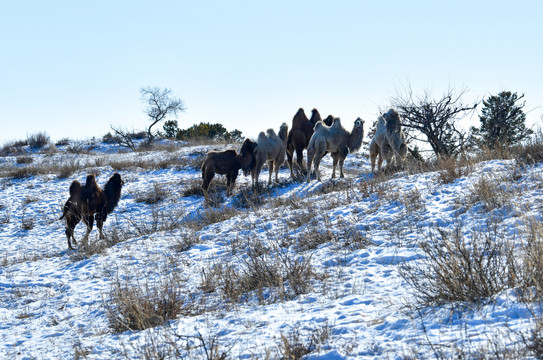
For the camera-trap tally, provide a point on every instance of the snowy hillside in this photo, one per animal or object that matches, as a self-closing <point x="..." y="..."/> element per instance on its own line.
<point x="325" y="270"/>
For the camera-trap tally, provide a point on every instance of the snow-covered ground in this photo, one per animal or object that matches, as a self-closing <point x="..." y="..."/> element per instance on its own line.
<point x="55" y="303"/>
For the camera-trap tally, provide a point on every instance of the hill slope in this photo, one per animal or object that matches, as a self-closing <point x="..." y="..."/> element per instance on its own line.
<point x="329" y="269"/>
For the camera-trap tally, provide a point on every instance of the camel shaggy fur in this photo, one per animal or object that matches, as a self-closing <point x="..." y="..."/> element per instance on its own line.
<point x="72" y="211"/>
<point x="336" y="140"/>
<point x="388" y="141"/>
<point x="299" y="136"/>
<point x="228" y="162"/>
<point x="270" y="149"/>
<point x="88" y="202"/>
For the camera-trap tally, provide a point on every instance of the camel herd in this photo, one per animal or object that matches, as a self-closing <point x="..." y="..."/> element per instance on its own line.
<point x="315" y="135"/>
<point x="89" y="202"/>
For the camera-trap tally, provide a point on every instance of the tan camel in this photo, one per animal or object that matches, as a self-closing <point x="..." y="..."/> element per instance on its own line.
<point x="388" y="141"/>
<point x="270" y="148"/>
<point x="336" y="140"/>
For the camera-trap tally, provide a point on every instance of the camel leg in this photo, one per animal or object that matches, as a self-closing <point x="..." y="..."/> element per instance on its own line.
<point x="341" y="168"/>
<point x="256" y="174"/>
<point x="100" y="225"/>
<point x="316" y="165"/>
<point x="309" y="164"/>
<point x="89" y="220"/>
<point x="206" y="182"/>
<point x="289" y="161"/>
<point x="334" y="164"/>
<point x="68" y="236"/>
<point x="374" y="152"/>
<point x="270" y="171"/>
<point x="300" y="159"/>
<point x="229" y="185"/>
<point x="276" y="166"/>
<point x="373" y="157"/>
<point x="379" y="162"/>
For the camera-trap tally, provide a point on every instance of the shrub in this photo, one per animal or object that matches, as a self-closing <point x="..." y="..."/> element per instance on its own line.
<point x="270" y="274"/>
<point x="134" y="307"/>
<point x="24" y="159"/>
<point x="455" y="269"/>
<point x="38" y="140"/>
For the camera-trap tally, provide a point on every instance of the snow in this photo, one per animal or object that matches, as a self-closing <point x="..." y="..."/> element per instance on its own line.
<point x="54" y="302"/>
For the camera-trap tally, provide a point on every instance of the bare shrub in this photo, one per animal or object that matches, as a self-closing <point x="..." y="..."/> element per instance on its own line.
<point x="209" y="216"/>
<point x="38" y="140"/>
<point x="491" y="192"/>
<point x="194" y="188"/>
<point x="453" y="268"/>
<point x="160" y="220"/>
<point x="24" y="159"/>
<point x="449" y="169"/>
<point x="531" y="262"/>
<point x="138" y="307"/>
<point x="530" y="152"/>
<point x="27" y="223"/>
<point x="412" y="201"/>
<point x="154" y="196"/>
<point x="13" y="148"/>
<point x="250" y="198"/>
<point x="293" y="346"/>
<point x="534" y="339"/>
<point x="373" y="187"/>
<point x="186" y="241"/>
<point x="66" y="170"/>
<point x="270" y="274"/>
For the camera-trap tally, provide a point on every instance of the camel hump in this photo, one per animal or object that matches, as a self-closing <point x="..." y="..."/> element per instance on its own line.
<point x="336" y="123"/>
<point x="319" y="126"/>
<point x="271" y="133"/>
<point x="261" y="137"/>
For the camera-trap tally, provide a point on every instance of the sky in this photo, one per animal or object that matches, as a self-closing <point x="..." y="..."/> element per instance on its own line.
<point x="74" y="69"/>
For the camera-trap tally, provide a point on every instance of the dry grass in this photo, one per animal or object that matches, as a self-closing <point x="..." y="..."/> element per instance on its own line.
<point x="268" y="274"/>
<point x="155" y="195"/>
<point x="453" y="268"/>
<point x="133" y="307"/>
<point x="293" y="346"/>
<point x="160" y="220"/>
<point x="209" y="216"/>
<point x="492" y="192"/>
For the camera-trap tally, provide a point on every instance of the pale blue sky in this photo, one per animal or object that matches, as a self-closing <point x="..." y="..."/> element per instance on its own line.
<point x="73" y="68"/>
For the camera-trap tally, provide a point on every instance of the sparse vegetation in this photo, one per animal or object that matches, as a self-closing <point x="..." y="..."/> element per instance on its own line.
<point x="38" y="140"/>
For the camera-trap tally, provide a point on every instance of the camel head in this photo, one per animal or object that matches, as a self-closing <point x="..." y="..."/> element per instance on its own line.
<point x="315" y="117"/>
<point x="355" y="138"/>
<point x="246" y="156"/>
<point x="393" y="121"/>
<point x="283" y="132"/>
<point x="329" y="120"/>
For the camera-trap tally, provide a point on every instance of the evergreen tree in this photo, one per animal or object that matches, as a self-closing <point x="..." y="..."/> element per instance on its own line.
<point x="502" y="120"/>
<point x="170" y="129"/>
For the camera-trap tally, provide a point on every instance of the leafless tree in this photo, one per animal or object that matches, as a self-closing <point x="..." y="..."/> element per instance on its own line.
<point x="159" y="103"/>
<point x="434" y="121"/>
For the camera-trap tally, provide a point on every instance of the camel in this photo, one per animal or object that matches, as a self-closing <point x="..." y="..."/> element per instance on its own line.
<point x="228" y="162"/>
<point x="88" y="202"/>
<point x="72" y="211"/>
<point x="388" y="141"/>
<point x="299" y="136"/>
<point x="336" y="140"/>
<point x="270" y="148"/>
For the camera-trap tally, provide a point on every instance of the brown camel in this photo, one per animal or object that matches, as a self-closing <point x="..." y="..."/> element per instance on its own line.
<point x="228" y="162"/>
<point x="89" y="201"/>
<point x="299" y="136"/>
